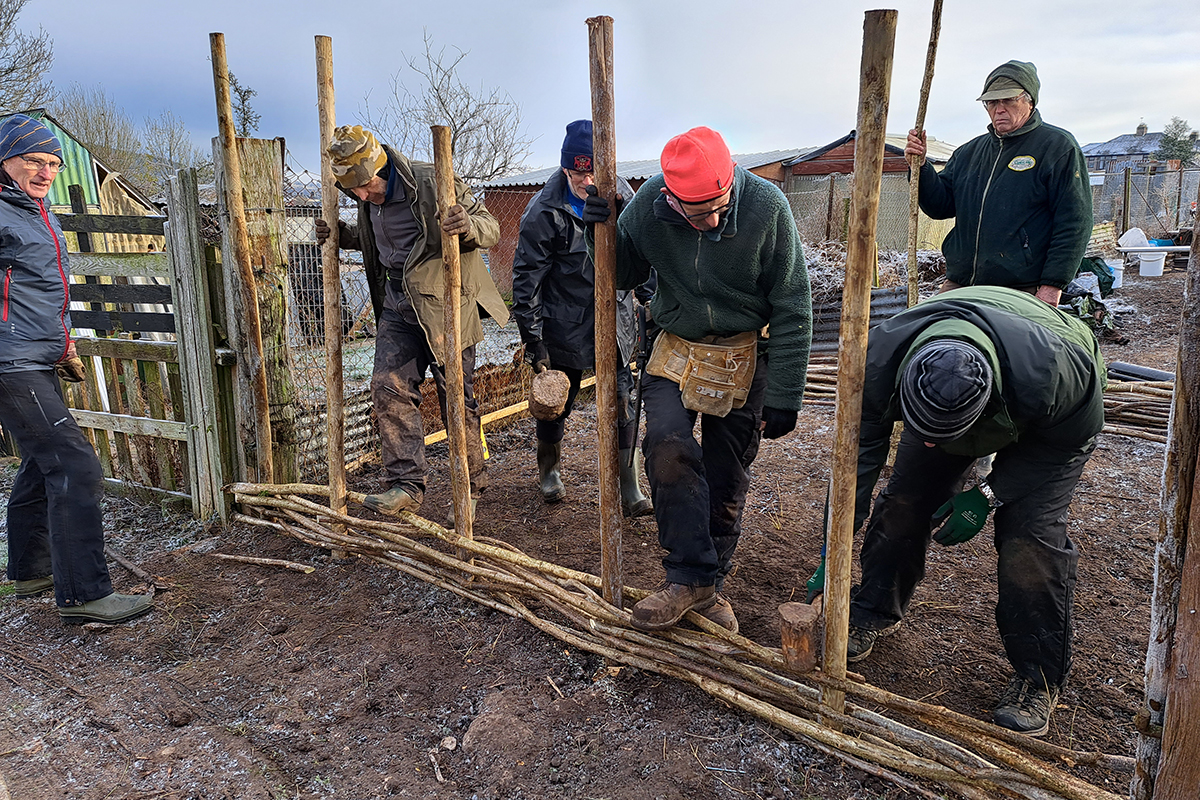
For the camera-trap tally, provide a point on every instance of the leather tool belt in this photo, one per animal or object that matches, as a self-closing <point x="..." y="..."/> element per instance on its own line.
<point x="714" y="374"/>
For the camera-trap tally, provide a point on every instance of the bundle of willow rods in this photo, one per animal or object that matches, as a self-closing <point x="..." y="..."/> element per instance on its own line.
<point x="965" y="757"/>
<point x="1137" y="409"/>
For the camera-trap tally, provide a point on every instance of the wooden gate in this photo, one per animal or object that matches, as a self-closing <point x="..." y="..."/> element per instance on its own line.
<point x="150" y="401"/>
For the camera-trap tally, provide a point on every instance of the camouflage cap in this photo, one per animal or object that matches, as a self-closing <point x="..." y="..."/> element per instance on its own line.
<point x="355" y="156"/>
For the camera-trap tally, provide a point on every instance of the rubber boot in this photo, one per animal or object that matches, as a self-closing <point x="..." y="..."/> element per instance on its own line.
<point x="549" y="459"/>
<point x="633" y="502"/>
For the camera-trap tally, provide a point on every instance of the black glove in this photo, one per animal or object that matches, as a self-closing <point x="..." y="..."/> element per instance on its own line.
<point x="536" y="355"/>
<point x="321" y="228"/>
<point x="778" y="422"/>
<point x="595" y="207"/>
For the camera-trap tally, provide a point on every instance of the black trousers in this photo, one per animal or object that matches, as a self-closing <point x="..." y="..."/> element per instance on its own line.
<point x="402" y="356"/>
<point x="699" y="488"/>
<point x="552" y="430"/>
<point x="55" y="525"/>
<point x="1037" y="560"/>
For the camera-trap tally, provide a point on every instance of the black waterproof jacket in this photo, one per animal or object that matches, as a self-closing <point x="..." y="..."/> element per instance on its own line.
<point x="36" y="297"/>
<point x="1022" y="205"/>
<point x="554" y="281"/>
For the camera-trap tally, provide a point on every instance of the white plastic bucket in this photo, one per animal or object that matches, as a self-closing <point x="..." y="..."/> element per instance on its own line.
<point x="1152" y="264"/>
<point x="1117" y="265"/>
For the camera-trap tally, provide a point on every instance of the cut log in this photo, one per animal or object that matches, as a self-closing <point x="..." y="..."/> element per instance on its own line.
<point x="548" y="394"/>
<point x="801" y="631"/>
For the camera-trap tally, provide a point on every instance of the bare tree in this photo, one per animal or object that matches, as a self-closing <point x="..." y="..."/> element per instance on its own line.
<point x="170" y="147"/>
<point x="94" y="118"/>
<point x="485" y="124"/>
<point x="25" y="60"/>
<point x="245" y="118"/>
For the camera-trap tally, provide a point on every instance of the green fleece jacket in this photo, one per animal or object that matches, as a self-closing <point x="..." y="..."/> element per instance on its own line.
<point x="1048" y="377"/>
<point x="749" y="275"/>
<point x="1022" y="205"/>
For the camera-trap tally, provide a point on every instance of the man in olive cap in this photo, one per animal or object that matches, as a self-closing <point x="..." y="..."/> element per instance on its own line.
<point x="727" y="255"/>
<point x="1019" y="194"/>
<point x="400" y="236"/>
<point x="976" y="371"/>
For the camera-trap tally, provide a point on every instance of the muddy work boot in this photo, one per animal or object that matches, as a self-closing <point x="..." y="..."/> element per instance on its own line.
<point x="721" y="612"/>
<point x="450" y="513"/>
<point x="667" y="606"/>
<point x="33" y="587"/>
<point x="633" y="502"/>
<point x="861" y="641"/>
<point x="112" y="608"/>
<point x="549" y="459"/>
<point x="1025" y="707"/>
<point x="393" y="501"/>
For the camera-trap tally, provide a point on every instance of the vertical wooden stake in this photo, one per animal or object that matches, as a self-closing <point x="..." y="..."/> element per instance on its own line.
<point x="914" y="163"/>
<point x="456" y="404"/>
<point x="604" y="155"/>
<point x="1126" y="199"/>
<point x="241" y="256"/>
<point x="335" y="418"/>
<point x="879" y="37"/>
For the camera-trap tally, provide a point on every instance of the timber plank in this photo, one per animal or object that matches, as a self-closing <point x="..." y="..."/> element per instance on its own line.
<point x="136" y="403"/>
<point x="152" y="380"/>
<point x="132" y="426"/>
<point x="123" y="465"/>
<point x="91" y="402"/>
<point x="126" y="265"/>
<point x="109" y="223"/>
<point x="140" y="349"/>
<point x="121" y="293"/>
<point x="123" y="321"/>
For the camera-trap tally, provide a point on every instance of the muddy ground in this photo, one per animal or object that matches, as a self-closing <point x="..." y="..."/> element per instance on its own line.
<point x="354" y="681"/>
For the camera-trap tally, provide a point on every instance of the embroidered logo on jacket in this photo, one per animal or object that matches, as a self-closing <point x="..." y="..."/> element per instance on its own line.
<point x="1022" y="163"/>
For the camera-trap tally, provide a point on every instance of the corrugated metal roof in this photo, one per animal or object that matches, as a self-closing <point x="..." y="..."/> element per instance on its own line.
<point x="646" y="168"/>
<point x="827" y="316"/>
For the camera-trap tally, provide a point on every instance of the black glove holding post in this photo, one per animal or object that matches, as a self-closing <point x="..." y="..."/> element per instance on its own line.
<point x="596" y="208"/>
<point x="536" y="355"/>
<point x="778" y="422"/>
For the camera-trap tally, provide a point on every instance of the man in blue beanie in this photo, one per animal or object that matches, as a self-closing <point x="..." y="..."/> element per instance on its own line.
<point x="1019" y="194"/>
<point x="55" y="527"/>
<point x="554" y="306"/>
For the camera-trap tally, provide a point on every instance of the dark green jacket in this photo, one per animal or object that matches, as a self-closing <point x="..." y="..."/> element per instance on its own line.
<point x="423" y="283"/>
<point x="1048" y="376"/>
<point x="1022" y="205"/>
<point x="751" y="276"/>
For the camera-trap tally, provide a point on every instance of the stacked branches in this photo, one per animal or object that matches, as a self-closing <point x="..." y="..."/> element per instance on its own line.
<point x="935" y="747"/>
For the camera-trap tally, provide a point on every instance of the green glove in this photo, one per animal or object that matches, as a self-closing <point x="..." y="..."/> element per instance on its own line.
<point x="964" y="515"/>
<point x="816" y="584"/>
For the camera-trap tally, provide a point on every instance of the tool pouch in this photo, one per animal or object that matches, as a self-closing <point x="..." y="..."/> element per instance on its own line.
<point x="714" y="374"/>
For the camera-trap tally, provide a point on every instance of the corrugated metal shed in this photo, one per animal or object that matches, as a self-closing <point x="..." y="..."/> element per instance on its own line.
<point x="645" y="168"/>
<point x="827" y="316"/>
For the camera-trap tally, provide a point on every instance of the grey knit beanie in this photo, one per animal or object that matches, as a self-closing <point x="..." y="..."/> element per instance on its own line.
<point x="944" y="389"/>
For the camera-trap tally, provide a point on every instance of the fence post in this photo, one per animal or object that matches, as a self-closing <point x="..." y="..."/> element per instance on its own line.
<point x="829" y="210"/>
<point x="261" y="178"/>
<point x="1125" y="202"/>
<point x="194" y="333"/>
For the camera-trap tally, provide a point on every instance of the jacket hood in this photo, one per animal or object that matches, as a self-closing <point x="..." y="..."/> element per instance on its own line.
<point x="1023" y="72"/>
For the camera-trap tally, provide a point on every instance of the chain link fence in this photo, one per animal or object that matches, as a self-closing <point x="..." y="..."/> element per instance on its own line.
<point x="1158" y="203"/>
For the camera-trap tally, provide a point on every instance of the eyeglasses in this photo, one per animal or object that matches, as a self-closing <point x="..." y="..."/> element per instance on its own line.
<point x="37" y="164"/>
<point x="1008" y="102"/>
<point x="719" y="210"/>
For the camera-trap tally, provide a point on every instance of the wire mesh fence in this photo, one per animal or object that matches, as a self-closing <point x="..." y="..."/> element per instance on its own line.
<point x="1158" y="203"/>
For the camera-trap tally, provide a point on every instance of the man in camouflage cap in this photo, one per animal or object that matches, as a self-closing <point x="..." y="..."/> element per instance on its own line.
<point x="400" y="236"/>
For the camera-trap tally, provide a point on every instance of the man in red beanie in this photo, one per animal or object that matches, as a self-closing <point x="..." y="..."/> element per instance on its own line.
<point x="729" y="263"/>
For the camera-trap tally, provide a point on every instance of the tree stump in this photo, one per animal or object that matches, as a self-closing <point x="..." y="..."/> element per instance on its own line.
<point x="800" y="629"/>
<point x="548" y="395"/>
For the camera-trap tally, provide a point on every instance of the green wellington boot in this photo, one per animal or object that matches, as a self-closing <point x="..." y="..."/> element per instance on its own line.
<point x="633" y="502"/>
<point x="393" y="501"/>
<point x="549" y="460"/>
<point x="112" y="608"/>
<point x="33" y="587"/>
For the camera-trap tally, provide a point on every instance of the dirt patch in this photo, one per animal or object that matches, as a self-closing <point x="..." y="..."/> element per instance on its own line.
<point x="354" y="681"/>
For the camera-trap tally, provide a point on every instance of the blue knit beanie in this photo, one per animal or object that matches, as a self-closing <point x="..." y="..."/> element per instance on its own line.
<point x="20" y="135"/>
<point x="577" y="147"/>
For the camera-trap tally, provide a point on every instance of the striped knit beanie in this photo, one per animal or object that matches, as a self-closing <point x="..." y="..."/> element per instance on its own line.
<point x="944" y="389"/>
<point x="20" y="135"/>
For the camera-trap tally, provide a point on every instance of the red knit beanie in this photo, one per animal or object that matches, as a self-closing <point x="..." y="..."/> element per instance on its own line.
<point x="697" y="166"/>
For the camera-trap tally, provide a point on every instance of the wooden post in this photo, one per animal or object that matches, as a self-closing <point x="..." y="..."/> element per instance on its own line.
<point x="456" y="404"/>
<point x="914" y="163"/>
<point x="241" y="256"/>
<point x="879" y="36"/>
<point x="1168" y="768"/>
<point x="1127" y="199"/>
<point x="829" y="209"/>
<point x="197" y="363"/>
<point x="335" y="418"/>
<point x="604" y="159"/>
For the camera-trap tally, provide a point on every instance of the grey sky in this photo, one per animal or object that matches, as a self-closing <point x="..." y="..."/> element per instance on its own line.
<point x="768" y="74"/>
